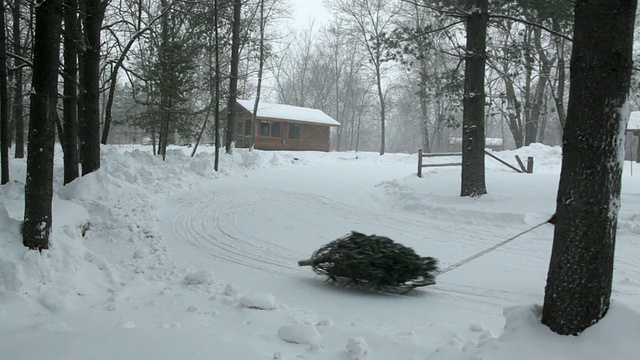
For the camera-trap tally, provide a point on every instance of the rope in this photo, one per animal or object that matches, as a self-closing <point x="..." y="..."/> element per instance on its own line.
<point x="484" y="252"/>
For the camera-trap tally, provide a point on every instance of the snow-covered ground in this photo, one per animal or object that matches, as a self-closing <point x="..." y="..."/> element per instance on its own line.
<point x="180" y="262"/>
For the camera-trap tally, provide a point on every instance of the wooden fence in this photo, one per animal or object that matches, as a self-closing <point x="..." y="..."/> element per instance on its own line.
<point x="528" y="169"/>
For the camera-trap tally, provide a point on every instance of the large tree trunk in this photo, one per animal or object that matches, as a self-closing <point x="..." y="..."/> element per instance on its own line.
<point x="578" y="287"/>
<point x="165" y="86"/>
<point x="216" y="110"/>
<point x="4" y="103"/>
<point x="252" y="122"/>
<point x="39" y="184"/>
<point x="89" y="124"/>
<point x="70" y="101"/>
<point x="473" y="180"/>
<point x="233" y="80"/>
<point x="17" y="92"/>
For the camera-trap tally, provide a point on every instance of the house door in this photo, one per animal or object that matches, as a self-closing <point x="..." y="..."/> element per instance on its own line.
<point x="243" y="135"/>
<point x="240" y="134"/>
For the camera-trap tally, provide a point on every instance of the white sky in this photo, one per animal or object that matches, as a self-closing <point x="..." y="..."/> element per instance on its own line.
<point x="309" y="9"/>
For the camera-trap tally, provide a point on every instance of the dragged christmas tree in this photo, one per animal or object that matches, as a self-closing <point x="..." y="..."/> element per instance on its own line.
<point x="373" y="261"/>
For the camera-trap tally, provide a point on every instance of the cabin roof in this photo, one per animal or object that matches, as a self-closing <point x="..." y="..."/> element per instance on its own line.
<point x="288" y="112"/>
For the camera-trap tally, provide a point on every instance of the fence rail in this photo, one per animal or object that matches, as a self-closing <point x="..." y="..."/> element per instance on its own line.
<point x="527" y="170"/>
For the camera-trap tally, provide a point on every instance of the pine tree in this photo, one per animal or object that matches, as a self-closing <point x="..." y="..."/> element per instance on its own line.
<point x="375" y="261"/>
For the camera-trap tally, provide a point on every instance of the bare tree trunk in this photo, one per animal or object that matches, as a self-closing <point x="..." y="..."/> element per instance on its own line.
<point x="39" y="185"/>
<point x="532" y="125"/>
<point x="4" y="102"/>
<point x="578" y="290"/>
<point x="558" y="95"/>
<point x="216" y="126"/>
<point x="164" y="86"/>
<point x="233" y="81"/>
<point x="69" y="138"/>
<point x="526" y="93"/>
<point x="17" y="92"/>
<point x="514" y="113"/>
<point x="383" y="125"/>
<point x="89" y="124"/>
<point x="259" y="86"/>
<point x="473" y="140"/>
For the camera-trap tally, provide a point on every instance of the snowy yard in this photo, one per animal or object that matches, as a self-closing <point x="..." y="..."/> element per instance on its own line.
<point x="180" y="262"/>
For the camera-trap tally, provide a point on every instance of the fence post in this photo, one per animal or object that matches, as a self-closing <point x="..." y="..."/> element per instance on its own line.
<point x="524" y="169"/>
<point x="530" y="165"/>
<point x="419" y="163"/>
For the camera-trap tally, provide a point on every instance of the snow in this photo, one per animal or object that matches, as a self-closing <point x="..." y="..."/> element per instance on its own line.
<point x="170" y="260"/>
<point x="357" y="348"/>
<point x="299" y="334"/>
<point x="261" y="301"/>
<point x="288" y="112"/>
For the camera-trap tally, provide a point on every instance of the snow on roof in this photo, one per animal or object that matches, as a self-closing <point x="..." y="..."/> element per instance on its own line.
<point x="634" y="121"/>
<point x="487" y="141"/>
<point x="288" y="112"/>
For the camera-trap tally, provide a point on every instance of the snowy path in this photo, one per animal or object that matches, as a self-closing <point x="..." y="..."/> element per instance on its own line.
<point x="251" y="230"/>
<point x="266" y="230"/>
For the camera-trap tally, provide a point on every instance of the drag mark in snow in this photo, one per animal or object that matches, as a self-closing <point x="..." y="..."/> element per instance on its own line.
<point x="210" y="226"/>
<point x="270" y="230"/>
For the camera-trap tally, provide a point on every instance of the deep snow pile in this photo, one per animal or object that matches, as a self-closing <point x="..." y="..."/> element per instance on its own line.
<point x="116" y="284"/>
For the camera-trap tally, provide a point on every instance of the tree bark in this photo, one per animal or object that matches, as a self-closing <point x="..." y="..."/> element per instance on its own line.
<point x="216" y="110"/>
<point x="558" y="95"/>
<point x="4" y="103"/>
<point x="89" y="124"/>
<point x="164" y="85"/>
<point x="578" y="288"/>
<point x="259" y="86"/>
<point x="533" y="121"/>
<point x="17" y="92"/>
<point x="39" y="184"/>
<point x="473" y="139"/>
<point x="69" y="137"/>
<point x="514" y="113"/>
<point x="233" y="81"/>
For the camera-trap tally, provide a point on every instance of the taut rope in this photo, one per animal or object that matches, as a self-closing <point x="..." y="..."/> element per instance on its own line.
<point x="486" y="251"/>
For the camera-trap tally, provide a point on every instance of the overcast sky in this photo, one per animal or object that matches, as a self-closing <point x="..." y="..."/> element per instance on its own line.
<point x="310" y="9"/>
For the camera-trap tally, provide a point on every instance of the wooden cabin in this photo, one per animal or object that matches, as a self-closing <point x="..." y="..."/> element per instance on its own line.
<point x="632" y="138"/>
<point x="282" y="127"/>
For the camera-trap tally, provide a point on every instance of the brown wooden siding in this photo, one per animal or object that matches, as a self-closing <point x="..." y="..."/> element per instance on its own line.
<point x="313" y="137"/>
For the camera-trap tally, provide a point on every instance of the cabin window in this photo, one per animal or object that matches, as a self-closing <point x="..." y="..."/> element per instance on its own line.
<point x="269" y="129"/>
<point x="294" y="131"/>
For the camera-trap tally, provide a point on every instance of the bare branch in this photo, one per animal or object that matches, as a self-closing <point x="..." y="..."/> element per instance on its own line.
<point x="530" y="23"/>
